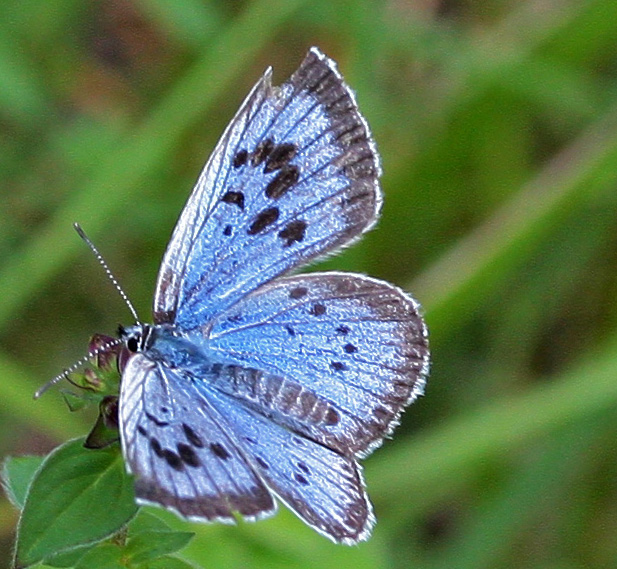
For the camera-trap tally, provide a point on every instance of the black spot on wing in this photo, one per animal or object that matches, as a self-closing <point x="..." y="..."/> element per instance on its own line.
<point x="338" y="366"/>
<point x="188" y="455"/>
<point x="235" y="198"/>
<point x="282" y="182"/>
<point x="350" y="348"/>
<point x="343" y="330"/>
<point x="318" y="309"/>
<point x="227" y="230"/>
<point x="290" y="330"/>
<point x="240" y="158"/>
<point x="332" y="417"/>
<point x="301" y="479"/>
<point x="298" y="292"/>
<point x="293" y="232"/>
<point x="156" y="447"/>
<point x="192" y="437"/>
<point x="281" y="155"/>
<point x="168" y="455"/>
<point x="173" y="459"/>
<point x="263" y="219"/>
<point x="142" y="431"/>
<point x="262" y="151"/>
<point x="262" y="462"/>
<point x="156" y="421"/>
<point x="220" y="451"/>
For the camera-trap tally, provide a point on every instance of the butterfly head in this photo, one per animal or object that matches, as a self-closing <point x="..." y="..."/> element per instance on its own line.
<point x="136" y="338"/>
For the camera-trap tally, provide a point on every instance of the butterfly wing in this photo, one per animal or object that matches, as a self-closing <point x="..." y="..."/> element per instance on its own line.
<point x="181" y="450"/>
<point x="294" y="176"/>
<point x="323" y="488"/>
<point x="339" y="356"/>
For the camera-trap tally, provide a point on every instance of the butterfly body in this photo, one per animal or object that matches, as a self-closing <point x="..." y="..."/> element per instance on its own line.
<point x="252" y="383"/>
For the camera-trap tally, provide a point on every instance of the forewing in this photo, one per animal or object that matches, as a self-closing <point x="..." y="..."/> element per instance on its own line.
<point x="181" y="450"/>
<point x="339" y="356"/>
<point x="324" y="488"/>
<point x="294" y="176"/>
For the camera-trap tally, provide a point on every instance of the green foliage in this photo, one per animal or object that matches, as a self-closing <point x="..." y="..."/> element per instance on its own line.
<point x="17" y="473"/>
<point x="496" y="122"/>
<point x="74" y="488"/>
<point x="66" y="519"/>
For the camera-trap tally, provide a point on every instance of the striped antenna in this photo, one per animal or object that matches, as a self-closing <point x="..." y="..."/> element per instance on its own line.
<point x="110" y="275"/>
<point x="64" y="375"/>
<point x="104" y="347"/>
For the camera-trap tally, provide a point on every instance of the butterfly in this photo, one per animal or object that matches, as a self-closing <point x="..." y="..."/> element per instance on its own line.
<point x="253" y="383"/>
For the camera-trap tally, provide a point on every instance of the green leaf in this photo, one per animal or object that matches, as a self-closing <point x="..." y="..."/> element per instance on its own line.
<point x="148" y="545"/>
<point x="104" y="556"/>
<point x="105" y="431"/>
<point x="145" y="521"/>
<point x="68" y="502"/>
<point x="68" y="559"/>
<point x="77" y="402"/>
<point x="17" y="473"/>
<point x="167" y="563"/>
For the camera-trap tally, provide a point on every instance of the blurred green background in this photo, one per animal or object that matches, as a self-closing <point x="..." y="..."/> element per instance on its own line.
<point x="497" y="124"/>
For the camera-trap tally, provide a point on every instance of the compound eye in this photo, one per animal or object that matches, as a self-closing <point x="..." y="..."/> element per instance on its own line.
<point x="132" y="344"/>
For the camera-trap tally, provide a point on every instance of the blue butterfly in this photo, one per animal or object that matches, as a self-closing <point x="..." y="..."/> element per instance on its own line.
<point x="251" y="384"/>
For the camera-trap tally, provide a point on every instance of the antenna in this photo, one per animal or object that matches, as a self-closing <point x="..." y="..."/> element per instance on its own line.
<point x="105" y="347"/>
<point x="64" y="375"/>
<point x="110" y="275"/>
